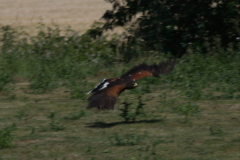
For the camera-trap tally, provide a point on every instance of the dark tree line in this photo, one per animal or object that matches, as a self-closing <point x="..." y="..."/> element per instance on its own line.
<point x="170" y="25"/>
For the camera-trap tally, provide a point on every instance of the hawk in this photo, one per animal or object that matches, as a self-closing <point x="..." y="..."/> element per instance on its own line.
<point x="105" y="93"/>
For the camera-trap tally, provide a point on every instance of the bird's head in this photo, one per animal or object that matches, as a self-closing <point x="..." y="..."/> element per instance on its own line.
<point x="131" y="84"/>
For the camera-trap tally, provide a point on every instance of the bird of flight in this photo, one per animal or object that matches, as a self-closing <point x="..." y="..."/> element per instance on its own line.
<point x="105" y="93"/>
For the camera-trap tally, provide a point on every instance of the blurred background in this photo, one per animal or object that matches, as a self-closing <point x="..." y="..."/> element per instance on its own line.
<point x="52" y="52"/>
<point x="79" y="14"/>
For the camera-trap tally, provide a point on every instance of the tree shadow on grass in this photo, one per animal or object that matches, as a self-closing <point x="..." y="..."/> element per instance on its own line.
<point x="109" y="125"/>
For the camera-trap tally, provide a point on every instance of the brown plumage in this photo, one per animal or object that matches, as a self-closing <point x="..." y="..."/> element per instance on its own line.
<point x="105" y="94"/>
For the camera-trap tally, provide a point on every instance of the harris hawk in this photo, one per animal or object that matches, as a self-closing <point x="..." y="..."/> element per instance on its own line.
<point x="105" y="93"/>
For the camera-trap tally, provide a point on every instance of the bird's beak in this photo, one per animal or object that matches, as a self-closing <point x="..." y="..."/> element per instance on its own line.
<point x="135" y="85"/>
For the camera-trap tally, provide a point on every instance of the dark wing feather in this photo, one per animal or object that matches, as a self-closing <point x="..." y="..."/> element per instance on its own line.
<point x="100" y="86"/>
<point x="138" y="72"/>
<point x="104" y="84"/>
<point x="164" y="67"/>
<point x="101" y="100"/>
<point x="145" y="70"/>
<point x="107" y="97"/>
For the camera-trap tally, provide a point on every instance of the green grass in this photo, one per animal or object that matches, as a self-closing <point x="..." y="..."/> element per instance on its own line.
<point x="212" y="134"/>
<point x="190" y="114"/>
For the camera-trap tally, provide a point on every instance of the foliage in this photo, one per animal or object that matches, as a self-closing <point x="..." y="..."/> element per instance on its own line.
<point x="41" y="81"/>
<point x="6" y="136"/>
<point x="126" y="139"/>
<point x="216" y="130"/>
<point x="79" y="89"/>
<point x="148" y="152"/>
<point x="21" y="115"/>
<point x="51" y="115"/>
<point x="5" y="77"/>
<point x="89" y="150"/>
<point x="33" y="130"/>
<point x="188" y="109"/>
<point x="144" y="88"/>
<point x="76" y="115"/>
<point x="8" y="35"/>
<point x="54" y="126"/>
<point x="52" y="45"/>
<point x="169" y="26"/>
<point x="199" y="77"/>
<point x="125" y="111"/>
<point x="130" y="113"/>
<point x="50" y="57"/>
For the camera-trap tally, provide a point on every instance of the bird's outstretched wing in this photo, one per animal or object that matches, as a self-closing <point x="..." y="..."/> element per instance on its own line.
<point x="104" y="84"/>
<point x="105" y="93"/>
<point x="145" y="70"/>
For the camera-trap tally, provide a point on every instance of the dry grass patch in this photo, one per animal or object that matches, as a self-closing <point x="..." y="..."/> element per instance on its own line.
<point x="79" y="14"/>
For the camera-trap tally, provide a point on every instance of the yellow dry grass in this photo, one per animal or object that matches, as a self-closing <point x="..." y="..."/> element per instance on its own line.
<point x="79" y="14"/>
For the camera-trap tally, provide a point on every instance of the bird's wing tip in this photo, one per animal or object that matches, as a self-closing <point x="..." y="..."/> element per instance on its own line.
<point x="89" y="92"/>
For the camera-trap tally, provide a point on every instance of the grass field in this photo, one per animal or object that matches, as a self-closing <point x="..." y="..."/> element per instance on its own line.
<point x="53" y="126"/>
